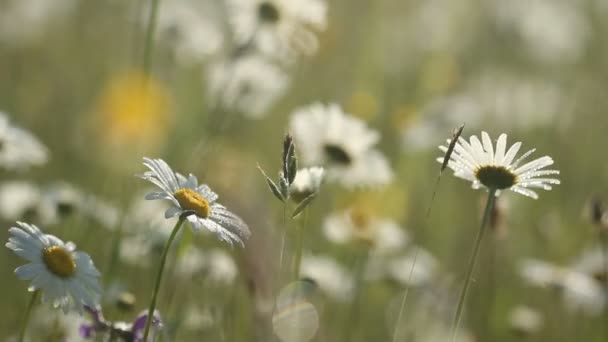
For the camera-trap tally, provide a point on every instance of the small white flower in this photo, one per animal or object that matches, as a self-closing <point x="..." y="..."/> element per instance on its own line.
<point x="216" y="265"/>
<point x="19" y="149"/>
<point x="331" y="277"/>
<point x="18" y="200"/>
<point x="342" y="143"/>
<point x="525" y="320"/>
<point x="249" y="85"/>
<point x="403" y="269"/>
<point x="279" y="28"/>
<point x="355" y="225"/>
<point x="479" y="163"/>
<point x="593" y="264"/>
<point x="581" y="292"/>
<point x="189" y="26"/>
<point x="307" y="182"/>
<point x="65" y="277"/>
<point x="196" y="202"/>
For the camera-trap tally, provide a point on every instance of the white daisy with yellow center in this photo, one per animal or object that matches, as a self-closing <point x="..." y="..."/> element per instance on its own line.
<point x="358" y="225"/>
<point x="196" y="202"/>
<point x="477" y="161"/>
<point x="340" y="142"/>
<point x="66" y="277"/>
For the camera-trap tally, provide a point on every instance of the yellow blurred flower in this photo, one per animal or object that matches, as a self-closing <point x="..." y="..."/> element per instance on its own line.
<point x="134" y="110"/>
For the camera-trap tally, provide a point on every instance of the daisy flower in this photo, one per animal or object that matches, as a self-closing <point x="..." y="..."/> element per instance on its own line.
<point x="340" y="142"/>
<point x="477" y="161"/>
<point x="65" y="277"/>
<point x="196" y="202"/>
<point x="19" y="149"/>
<point x="580" y="291"/>
<point x="358" y="225"/>
<point x="280" y="28"/>
<point x="307" y="182"/>
<point x="331" y="277"/>
<point x="249" y="85"/>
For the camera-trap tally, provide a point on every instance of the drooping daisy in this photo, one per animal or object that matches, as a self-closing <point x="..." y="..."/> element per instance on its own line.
<point x="307" y="182"/>
<point x="356" y="225"/>
<point x="196" y="202"/>
<point x="66" y="277"/>
<point x="190" y="28"/>
<point x="19" y="149"/>
<point x="331" y="277"/>
<point x="580" y="292"/>
<point x="478" y="162"/>
<point x="342" y="143"/>
<point x="280" y="28"/>
<point x="249" y="85"/>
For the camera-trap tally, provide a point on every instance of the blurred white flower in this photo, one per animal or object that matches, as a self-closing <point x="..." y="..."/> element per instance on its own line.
<point x="551" y="30"/>
<point x="580" y="292"/>
<point x="281" y="28"/>
<point x="248" y="84"/>
<point x="189" y="25"/>
<point x="342" y="143"/>
<point x="22" y="21"/>
<point x="216" y="265"/>
<point x="49" y="205"/>
<point x="499" y="170"/>
<point x="19" y="149"/>
<point x="593" y="263"/>
<point x="403" y="270"/>
<point x="525" y="320"/>
<point x="331" y="277"/>
<point x="355" y="225"/>
<point x="494" y="97"/>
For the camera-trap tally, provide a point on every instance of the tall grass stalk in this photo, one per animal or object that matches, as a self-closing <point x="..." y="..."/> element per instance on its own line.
<point x="484" y="222"/>
<point x="159" y="275"/>
<point x="149" y="42"/>
<point x="28" y="314"/>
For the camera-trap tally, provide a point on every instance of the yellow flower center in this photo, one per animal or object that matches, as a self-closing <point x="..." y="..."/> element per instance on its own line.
<point x="497" y="177"/>
<point x="364" y="230"/>
<point x="191" y="200"/>
<point x="59" y="261"/>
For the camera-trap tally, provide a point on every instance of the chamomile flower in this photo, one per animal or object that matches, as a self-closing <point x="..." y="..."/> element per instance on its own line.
<point x="342" y="143"/>
<point x="580" y="291"/>
<point x="19" y="149"/>
<point x="331" y="277"/>
<point x="249" y="84"/>
<point x="478" y="162"/>
<point x="66" y="277"/>
<point x="307" y="182"/>
<point x="282" y="28"/>
<point x="196" y="202"/>
<point x="356" y="225"/>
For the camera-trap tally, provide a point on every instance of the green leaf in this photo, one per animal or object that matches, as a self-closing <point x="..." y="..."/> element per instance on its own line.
<point x="273" y="187"/>
<point x="302" y="205"/>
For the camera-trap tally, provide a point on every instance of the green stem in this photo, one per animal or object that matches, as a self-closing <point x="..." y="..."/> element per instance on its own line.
<point x="149" y="43"/>
<point x="467" y="281"/>
<point x="351" y="328"/>
<point x="299" y="243"/>
<point x="28" y="313"/>
<point x="159" y="276"/>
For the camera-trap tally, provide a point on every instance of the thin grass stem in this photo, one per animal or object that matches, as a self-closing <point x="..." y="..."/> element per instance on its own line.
<point x="149" y="42"/>
<point x="484" y="222"/>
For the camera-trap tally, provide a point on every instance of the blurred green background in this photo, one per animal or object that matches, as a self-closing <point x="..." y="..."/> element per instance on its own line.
<point x="536" y="70"/>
